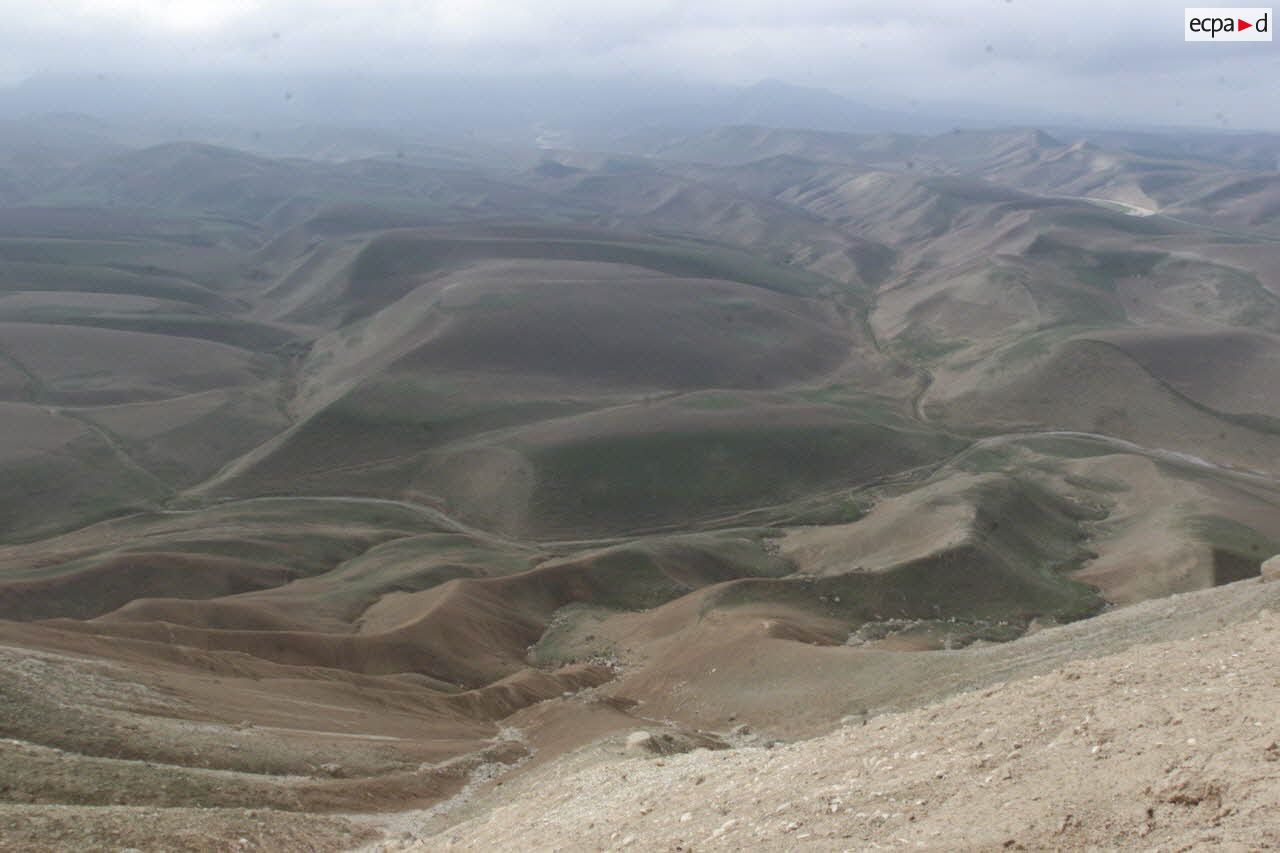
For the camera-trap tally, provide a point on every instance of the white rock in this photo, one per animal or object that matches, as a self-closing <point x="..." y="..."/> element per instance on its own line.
<point x="641" y="742"/>
<point x="727" y="826"/>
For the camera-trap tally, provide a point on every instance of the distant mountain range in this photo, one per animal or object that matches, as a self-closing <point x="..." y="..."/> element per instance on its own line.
<point x="513" y="108"/>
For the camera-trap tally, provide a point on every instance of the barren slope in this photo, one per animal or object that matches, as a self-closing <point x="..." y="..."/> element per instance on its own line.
<point x="344" y="487"/>
<point x="1171" y="743"/>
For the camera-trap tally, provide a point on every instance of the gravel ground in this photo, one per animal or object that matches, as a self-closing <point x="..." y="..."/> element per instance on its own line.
<point x="1165" y="746"/>
<point x="87" y="829"/>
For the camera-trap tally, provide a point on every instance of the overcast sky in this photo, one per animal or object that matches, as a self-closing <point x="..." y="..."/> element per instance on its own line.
<point x="1118" y="60"/>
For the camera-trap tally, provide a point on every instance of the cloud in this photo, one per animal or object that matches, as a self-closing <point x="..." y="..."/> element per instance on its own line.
<point x="1089" y="58"/>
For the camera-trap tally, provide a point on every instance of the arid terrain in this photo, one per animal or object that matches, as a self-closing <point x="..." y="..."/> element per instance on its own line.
<point x="337" y="489"/>
<point x="1164" y="746"/>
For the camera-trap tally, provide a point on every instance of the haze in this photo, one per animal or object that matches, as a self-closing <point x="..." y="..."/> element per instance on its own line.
<point x="986" y="61"/>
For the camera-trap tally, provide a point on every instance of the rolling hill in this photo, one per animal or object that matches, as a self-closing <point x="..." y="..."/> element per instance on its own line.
<point x="341" y="487"/>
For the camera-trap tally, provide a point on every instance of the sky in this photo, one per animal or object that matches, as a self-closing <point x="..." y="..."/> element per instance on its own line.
<point x="1122" y="61"/>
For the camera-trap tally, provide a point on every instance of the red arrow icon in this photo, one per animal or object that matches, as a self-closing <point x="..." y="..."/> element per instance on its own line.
<point x="1244" y="25"/>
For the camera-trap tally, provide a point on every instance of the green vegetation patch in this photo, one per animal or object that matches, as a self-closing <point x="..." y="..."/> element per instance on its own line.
<point x="654" y="570"/>
<point x="569" y="637"/>
<point x="1039" y="344"/>
<point x="678" y="476"/>
<point x="67" y="251"/>
<point x="1232" y="536"/>
<point x="920" y="344"/>
<point x="16" y="276"/>
<point x="1238" y="550"/>
<point x="1011" y="565"/>
<point x="1097" y="268"/>
<point x="843" y="511"/>
<point x="380" y="270"/>
<point x="84" y="482"/>
<point x="247" y="335"/>
<point x="1231" y="294"/>
<point x="414" y="564"/>
<point x="390" y="422"/>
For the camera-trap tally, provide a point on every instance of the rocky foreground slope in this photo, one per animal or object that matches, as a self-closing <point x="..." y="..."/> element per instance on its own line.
<point x="1163" y="746"/>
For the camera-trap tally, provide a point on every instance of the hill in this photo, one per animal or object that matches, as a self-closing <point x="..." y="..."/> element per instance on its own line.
<point x="1165" y="743"/>
<point x="335" y="487"/>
